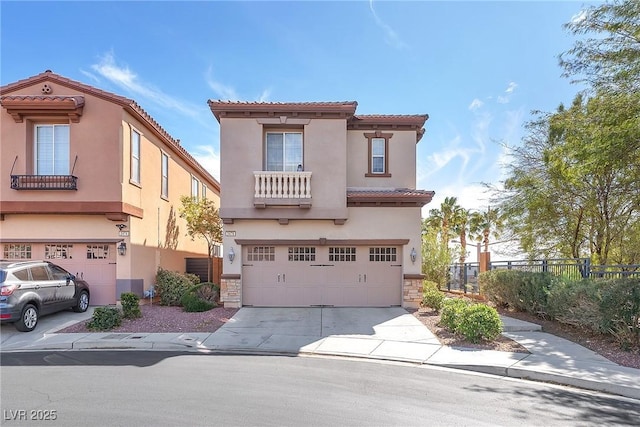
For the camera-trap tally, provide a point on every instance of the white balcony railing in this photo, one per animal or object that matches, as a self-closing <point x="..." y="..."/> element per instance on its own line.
<point x="282" y="185"/>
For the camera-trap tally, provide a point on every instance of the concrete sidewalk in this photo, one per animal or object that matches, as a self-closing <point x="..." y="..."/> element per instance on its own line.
<point x="383" y="334"/>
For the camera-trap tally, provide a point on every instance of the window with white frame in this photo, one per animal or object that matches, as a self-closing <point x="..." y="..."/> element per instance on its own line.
<point x="135" y="156"/>
<point x="378" y="146"/>
<point x="17" y="251"/>
<point x="195" y="188"/>
<point x="204" y="191"/>
<point x="52" y="149"/>
<point x="165" y="175"/>
<point x="283" y="151"/>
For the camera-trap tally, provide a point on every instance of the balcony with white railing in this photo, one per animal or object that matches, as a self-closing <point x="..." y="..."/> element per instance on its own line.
<point x="282" y="188"/>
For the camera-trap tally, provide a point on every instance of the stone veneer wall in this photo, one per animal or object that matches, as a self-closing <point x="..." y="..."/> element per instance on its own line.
<point x="412" y="290"/>
<point x="231" y="290"/>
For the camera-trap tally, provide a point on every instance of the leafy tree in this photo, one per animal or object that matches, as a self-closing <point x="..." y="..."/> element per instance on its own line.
<point x="610" y="58"/>
<point x="573" y="189"/>
<point x="435" y="256"/>
<point x="203" y="221"/>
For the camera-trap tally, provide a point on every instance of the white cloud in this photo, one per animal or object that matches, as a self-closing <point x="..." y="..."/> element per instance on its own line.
<point x="208" y="158"/>
<point x="475" y="104"/>
<point x="221" y="90"/>
<point x="264" y="96"/>
<point x="391" y="37"/>
<point x="125" y="78"/>
<point x="504" y="99"/>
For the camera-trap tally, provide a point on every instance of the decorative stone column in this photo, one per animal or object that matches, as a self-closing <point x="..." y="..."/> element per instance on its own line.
<point x="412" y="290"/>
<point x="231" y="290"/>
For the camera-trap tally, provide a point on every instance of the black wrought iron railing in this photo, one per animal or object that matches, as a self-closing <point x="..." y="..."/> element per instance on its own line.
<point x="44" y="182"/>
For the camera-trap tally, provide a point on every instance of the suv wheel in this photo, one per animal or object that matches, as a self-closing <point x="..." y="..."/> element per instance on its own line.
<point x="28" y="319"/>
<point x="83" y="302"/>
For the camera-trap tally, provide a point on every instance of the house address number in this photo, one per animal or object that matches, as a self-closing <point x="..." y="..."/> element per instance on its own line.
<point x="230" y="233"/>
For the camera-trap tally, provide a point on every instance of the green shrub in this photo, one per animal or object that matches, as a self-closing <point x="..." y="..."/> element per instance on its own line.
<point x="433" y="298"/>
<point x="428" y="284"/>
<point x="200" y="297"/>
<point x="130" y="305"/>
<point x="520" y="290"/>
<point x="105" y="318"/>
<point x="193" y="303"/>
<point x="576" y="303"/>
<point x="171" y="285"/>
<point x="479" y="322"/>
<point x="451" y="310"/>
<point x="620" y="310"/>
<point x="207" y="291"/>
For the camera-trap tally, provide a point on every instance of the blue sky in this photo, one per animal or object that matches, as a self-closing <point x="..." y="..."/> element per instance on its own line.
<point x="477" y="68"/>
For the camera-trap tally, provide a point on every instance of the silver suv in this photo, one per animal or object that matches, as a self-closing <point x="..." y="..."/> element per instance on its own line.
<point x="30" y="289"/>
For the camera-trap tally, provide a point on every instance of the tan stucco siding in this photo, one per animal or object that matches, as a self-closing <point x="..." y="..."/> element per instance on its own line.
<point x="94" y="141"/>
<point x="401" y="157"/>
<point x="324" y="155"/>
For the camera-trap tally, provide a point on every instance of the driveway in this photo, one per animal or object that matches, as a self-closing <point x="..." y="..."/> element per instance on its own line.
<point x="321" y="330"/>
<point x="46" y="325"/>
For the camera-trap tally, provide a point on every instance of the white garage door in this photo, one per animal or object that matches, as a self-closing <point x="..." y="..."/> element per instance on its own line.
<point x="303" y="276"/>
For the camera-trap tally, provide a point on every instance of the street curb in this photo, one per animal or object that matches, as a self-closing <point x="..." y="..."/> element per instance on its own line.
<point x="510" y="372"/>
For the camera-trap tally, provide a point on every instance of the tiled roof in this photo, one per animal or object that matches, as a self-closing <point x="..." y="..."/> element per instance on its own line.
<point x="129" y="104"/>
<point x="397" y="196"/>
<point x="77" y="100"/>
<point x="221" y="108"/>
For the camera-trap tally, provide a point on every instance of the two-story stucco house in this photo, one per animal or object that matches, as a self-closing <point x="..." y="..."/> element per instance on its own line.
<point x="91" y="182"/>
<point x="320" y="205"/>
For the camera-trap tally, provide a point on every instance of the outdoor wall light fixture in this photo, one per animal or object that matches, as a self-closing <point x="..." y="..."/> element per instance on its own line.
<point x="231" y="255"/>
<point x="122" y="248"/>
<point x="413" y="255"/>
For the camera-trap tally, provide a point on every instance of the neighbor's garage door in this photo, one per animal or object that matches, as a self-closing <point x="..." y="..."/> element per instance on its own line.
<point x="302" y="276"/>
<point x="95" y="263"/>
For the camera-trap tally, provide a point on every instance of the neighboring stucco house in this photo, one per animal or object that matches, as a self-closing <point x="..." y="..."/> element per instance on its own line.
<point x="319" y="205"/>
<point x="90" y="181"/>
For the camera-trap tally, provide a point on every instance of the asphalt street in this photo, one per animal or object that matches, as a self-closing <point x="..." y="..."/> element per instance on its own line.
<point x="169" y="388"/>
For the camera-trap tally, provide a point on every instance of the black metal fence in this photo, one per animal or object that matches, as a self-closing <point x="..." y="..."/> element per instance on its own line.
<point x="464" y="277"/>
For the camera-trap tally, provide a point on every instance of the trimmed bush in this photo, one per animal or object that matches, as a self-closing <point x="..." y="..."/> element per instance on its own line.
<point x="520" y="290"/>
<point x="432" y="298"/>
<point x="478" y="322"/>
<point x="576" y="303"/>
<point x="130" y="305"/>
<point x="105" y="318"/>
<point x="451" y="311"/>
<point x="620" y="310"/>
<point x="171" y="285"/>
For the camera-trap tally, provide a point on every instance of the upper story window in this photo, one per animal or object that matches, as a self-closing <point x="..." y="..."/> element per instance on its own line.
<point x="52" y="150"/>
<point x="135" y="156"/>
<point x="195" y="188"/>
<point x="283" y="151"/>
<point x="204" y="191"/>
<point x="164" y="167"/>
<point x="378" y="144"/>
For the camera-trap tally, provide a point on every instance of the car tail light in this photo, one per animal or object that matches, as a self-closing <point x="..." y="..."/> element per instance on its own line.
<point x="8" y="290"/>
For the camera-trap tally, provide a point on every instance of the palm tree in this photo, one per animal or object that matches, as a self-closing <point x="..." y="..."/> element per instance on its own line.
<point x="461" y="225"/>
<point x="485" y="224"/>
